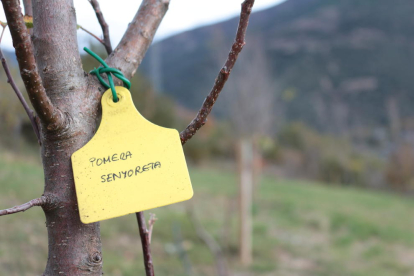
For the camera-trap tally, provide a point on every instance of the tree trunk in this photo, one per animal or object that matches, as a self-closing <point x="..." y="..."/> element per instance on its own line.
<point x="74" y="247"/>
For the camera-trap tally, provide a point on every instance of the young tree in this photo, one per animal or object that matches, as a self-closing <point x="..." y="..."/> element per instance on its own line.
<point x="252" y="91"/>
<point x="66" y="101"/>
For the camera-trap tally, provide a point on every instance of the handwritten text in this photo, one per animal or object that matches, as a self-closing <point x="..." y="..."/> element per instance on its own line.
<point x="130" y="173"/>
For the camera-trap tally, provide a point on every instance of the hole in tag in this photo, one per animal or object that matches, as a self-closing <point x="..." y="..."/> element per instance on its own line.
<point x="110" y="99"/>
<point x="119" y="98"/>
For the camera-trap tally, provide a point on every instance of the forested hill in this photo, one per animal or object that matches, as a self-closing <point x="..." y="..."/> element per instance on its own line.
<point x="337" y="64"/>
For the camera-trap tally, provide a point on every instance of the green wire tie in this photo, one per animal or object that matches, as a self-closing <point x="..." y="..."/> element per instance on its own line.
<point x="108" y="71"/>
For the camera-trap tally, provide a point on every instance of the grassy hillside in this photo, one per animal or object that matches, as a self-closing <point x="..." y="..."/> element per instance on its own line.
<point x="299" y="229"/>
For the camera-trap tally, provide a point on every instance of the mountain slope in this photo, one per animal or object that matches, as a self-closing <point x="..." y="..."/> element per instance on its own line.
<point x="338" y="64"/>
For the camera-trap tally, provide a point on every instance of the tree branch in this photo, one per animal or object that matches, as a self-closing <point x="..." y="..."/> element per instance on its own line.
<point x="145" y="241"/>
<point x="224" y="74"/>
<point x="26" y="107"/>
<point x="129" y="53"/>
<point x="28" y="9"/>
<point x="92" y="34"/>
<point x="105" y="28"/>
<point x="27" y="64"/>
<point x="19" y="94"/>
<point x="41" y="201"/>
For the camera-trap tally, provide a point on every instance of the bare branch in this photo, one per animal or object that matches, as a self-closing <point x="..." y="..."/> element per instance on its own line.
<point x="43" y="200"/>
<point x="145" y="241"/>
<point x="26" y="107"/>
<point x="19" y="94"/>
<point x="28" y="68"/>
<point x="92" y="34"/>
<point x="151" y="223"/>
<point x="4" y="25"/>
<point x="224" y="74"/>
<point x="105" y="28"/>
<point x="129" y="53"/>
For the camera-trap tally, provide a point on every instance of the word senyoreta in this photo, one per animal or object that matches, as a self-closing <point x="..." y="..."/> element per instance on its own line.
<point x="129" y="173"/>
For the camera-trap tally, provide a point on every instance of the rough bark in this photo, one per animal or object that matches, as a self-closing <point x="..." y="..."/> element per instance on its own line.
<point x="56" y="48"/>
<point x="129" y="53"/>
<point x="74" y="248"/>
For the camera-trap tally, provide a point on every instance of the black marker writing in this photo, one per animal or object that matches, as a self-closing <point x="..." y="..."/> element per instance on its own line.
<point x="111" y="158"/>
<point x="129" y="173"/>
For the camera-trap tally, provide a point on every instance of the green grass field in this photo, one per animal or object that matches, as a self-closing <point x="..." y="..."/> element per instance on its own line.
<point x="300" y="228"/>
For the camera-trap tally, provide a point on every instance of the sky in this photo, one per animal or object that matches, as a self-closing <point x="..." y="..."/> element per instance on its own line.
<point x="182" y="15"/>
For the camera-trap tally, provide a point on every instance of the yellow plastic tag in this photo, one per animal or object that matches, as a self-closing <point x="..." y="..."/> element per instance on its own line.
<point x="130" y="165"/>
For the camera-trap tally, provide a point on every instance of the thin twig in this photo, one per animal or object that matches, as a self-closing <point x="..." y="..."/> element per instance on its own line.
<point x="2" y="32"/>
<point x="210" y="100"/>
<point x="19" y="94"/>
<point x="26" y="206"/>
<point x="105" y="28"/>
<point x="151" y="223"/>
<point x="130" y="51"/>
<point x="145" y="241"/>
<point x="51" y="116"/>
<point x="91" y="34"/>
<point x="221" y="265"/>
